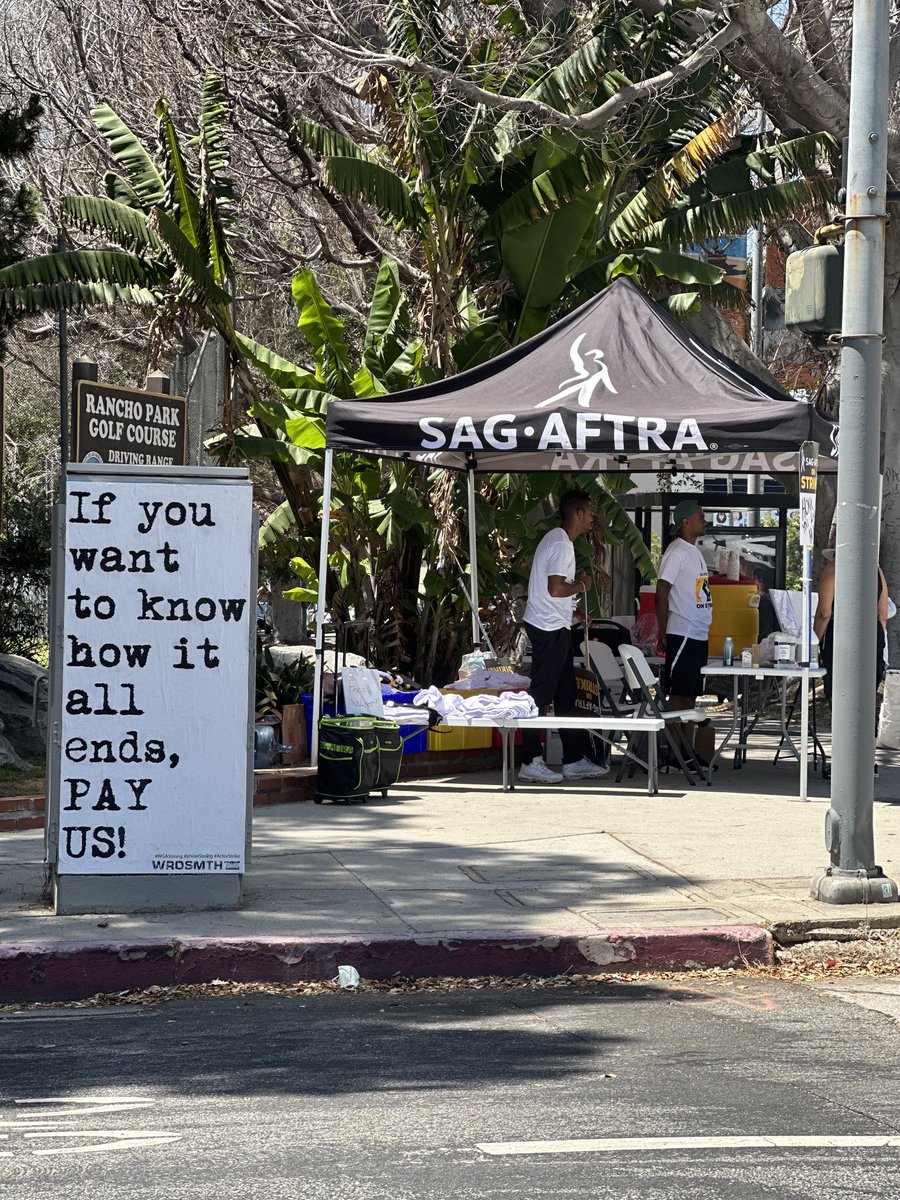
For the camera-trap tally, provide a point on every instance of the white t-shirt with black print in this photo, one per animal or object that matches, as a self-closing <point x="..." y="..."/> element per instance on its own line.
<point x="690" y="600"/>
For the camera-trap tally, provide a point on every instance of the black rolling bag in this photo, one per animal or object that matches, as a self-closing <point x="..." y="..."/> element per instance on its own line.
<point x="390" y="754"/>
<point x="348" y="758"/>
<point x="357" y="754"/>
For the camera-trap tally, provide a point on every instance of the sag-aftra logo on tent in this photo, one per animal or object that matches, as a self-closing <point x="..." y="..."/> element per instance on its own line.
<point x="568" y="427"/>
<point x="583" y="382"/>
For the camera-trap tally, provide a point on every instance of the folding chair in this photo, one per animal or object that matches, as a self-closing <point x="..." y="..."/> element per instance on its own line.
<point x="610" y="679"/>
<point x="639" y="675"/>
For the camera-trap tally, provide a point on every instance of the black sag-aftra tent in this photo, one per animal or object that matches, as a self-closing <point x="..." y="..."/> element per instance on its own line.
<point x="617" y="381"/>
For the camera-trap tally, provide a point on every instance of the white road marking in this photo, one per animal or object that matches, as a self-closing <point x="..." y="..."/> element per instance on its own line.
<point x="614" y="1145"/>
<point x="52" y="1123"/>
<point x="123" y="1139"/>
<point x="82" y="1105"/>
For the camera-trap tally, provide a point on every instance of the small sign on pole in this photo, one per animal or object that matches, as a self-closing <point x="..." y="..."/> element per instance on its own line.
<point x="809" y="458"/>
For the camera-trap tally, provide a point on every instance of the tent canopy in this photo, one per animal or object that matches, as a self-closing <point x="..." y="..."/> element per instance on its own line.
<point x="616" y="382"/>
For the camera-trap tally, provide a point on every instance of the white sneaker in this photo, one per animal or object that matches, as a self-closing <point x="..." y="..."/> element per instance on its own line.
<point x="537" y="771"/>
<point x="584" y="769"/>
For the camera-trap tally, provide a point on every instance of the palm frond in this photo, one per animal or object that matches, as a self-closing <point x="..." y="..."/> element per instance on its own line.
<point x="134" y="160"/>
<point x="385" y="315"/>
<point x="683" y="304"/>
<point x="308" y="399"/>
<point x="119" y="222"/>
<point x="282" y="372"/>
<point x="799" y="156"/>
<point x="328" y="143"/>
<point x="120" y="189"/>
<point x="114" y="267"/>
<point x="365" y="180"/>
<point x="666" y="187"/>
<point x="276" y="526"/>
<point x="250" y="444"/>
<point x="72" y="297"/>
<point x="734" y="214"/>
<point x="324" y="332"/>
<point x="216" y="190"/>
<point x="703" y="149"/>
<point x="180" y="187"/>
<point x="214" y="118"/>
<point x="196" y="279"/>
<point x="548" y="192"/>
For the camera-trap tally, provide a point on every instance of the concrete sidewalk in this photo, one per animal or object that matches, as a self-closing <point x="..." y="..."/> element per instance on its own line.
<point x="454" y="876"/>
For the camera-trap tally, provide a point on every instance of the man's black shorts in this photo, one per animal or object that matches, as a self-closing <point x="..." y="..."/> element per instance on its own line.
<point x="684" y="658"/>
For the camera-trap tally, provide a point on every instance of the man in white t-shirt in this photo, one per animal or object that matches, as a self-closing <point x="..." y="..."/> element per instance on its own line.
<point x="552" y="594"/>
<point x="684" y="606"/>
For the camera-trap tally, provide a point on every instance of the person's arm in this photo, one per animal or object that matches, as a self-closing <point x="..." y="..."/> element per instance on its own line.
<point x="662" y="609"/>
<point x="560" y="589"/>
<point x="825" y="605"/>
<point x="882" y="601"/>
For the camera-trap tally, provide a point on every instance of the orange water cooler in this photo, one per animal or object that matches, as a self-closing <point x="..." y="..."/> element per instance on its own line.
<point x="735" y="614"/>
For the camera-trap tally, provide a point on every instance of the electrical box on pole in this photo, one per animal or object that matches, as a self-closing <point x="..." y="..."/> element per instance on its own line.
<point x="813" y="289"/>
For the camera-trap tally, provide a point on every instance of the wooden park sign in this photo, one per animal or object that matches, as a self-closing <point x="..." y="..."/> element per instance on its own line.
<point x="125" y="425"/>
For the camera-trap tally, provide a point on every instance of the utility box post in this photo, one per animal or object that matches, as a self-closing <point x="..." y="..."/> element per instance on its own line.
<point x="151" y="718"/>
<point x="853" y="877"/>
<point x="813" y="289"/>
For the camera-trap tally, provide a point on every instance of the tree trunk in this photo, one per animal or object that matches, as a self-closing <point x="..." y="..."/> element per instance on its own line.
<point x="287" y="619"/>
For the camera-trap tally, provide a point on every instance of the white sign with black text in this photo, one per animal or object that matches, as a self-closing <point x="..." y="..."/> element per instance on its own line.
<point x="155" y="699"/>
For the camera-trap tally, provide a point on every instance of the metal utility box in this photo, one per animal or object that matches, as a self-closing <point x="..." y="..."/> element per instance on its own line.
<point x="813" y="289"/>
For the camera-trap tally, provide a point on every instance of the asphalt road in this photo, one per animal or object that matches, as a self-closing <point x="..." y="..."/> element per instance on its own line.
<point x="418" y="1096"/>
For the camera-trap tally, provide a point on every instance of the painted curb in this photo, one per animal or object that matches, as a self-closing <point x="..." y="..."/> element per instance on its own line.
<point x="62" y="971"/>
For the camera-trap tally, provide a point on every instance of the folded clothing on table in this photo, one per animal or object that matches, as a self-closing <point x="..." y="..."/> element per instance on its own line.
<point x="460" y="709"/>
<point x="490" y="680"/>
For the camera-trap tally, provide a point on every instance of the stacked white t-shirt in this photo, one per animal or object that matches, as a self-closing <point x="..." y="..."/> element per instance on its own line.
<point x="555" y="555"/>
<point x="690" y="600"/>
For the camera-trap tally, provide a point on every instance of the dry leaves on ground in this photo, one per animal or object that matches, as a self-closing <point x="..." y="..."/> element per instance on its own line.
<point x="807" y="963"/>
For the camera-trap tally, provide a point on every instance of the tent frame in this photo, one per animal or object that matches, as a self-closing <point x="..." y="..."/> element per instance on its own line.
<point x="327" y="488"/>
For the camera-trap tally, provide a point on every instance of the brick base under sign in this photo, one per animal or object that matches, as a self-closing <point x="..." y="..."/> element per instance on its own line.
<point x="284" y="785"/>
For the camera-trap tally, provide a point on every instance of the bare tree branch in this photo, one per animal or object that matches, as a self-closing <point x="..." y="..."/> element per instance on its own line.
<point x="590" y="122"/>
<point x="821" y="45"/>
<point x="803" y="86"/>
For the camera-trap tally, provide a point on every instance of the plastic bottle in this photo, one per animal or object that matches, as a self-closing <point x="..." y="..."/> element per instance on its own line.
<point x="728" y="653"/>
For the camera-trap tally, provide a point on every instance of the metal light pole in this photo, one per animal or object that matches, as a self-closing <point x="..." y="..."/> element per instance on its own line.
<point x="853" y="877"/>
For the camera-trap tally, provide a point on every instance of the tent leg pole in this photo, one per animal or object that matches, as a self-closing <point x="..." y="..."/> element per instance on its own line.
<point x="320" y="607"/>
<point x="473" y="559"/>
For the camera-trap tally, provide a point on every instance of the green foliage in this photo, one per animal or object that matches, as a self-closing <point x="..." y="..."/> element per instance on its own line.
<point x="165" y="221"/>
<point x="25" y="554"/>
<point x="533" y="220"/>
<point x="18" y="204"/>
<point x="279" y="683"/>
